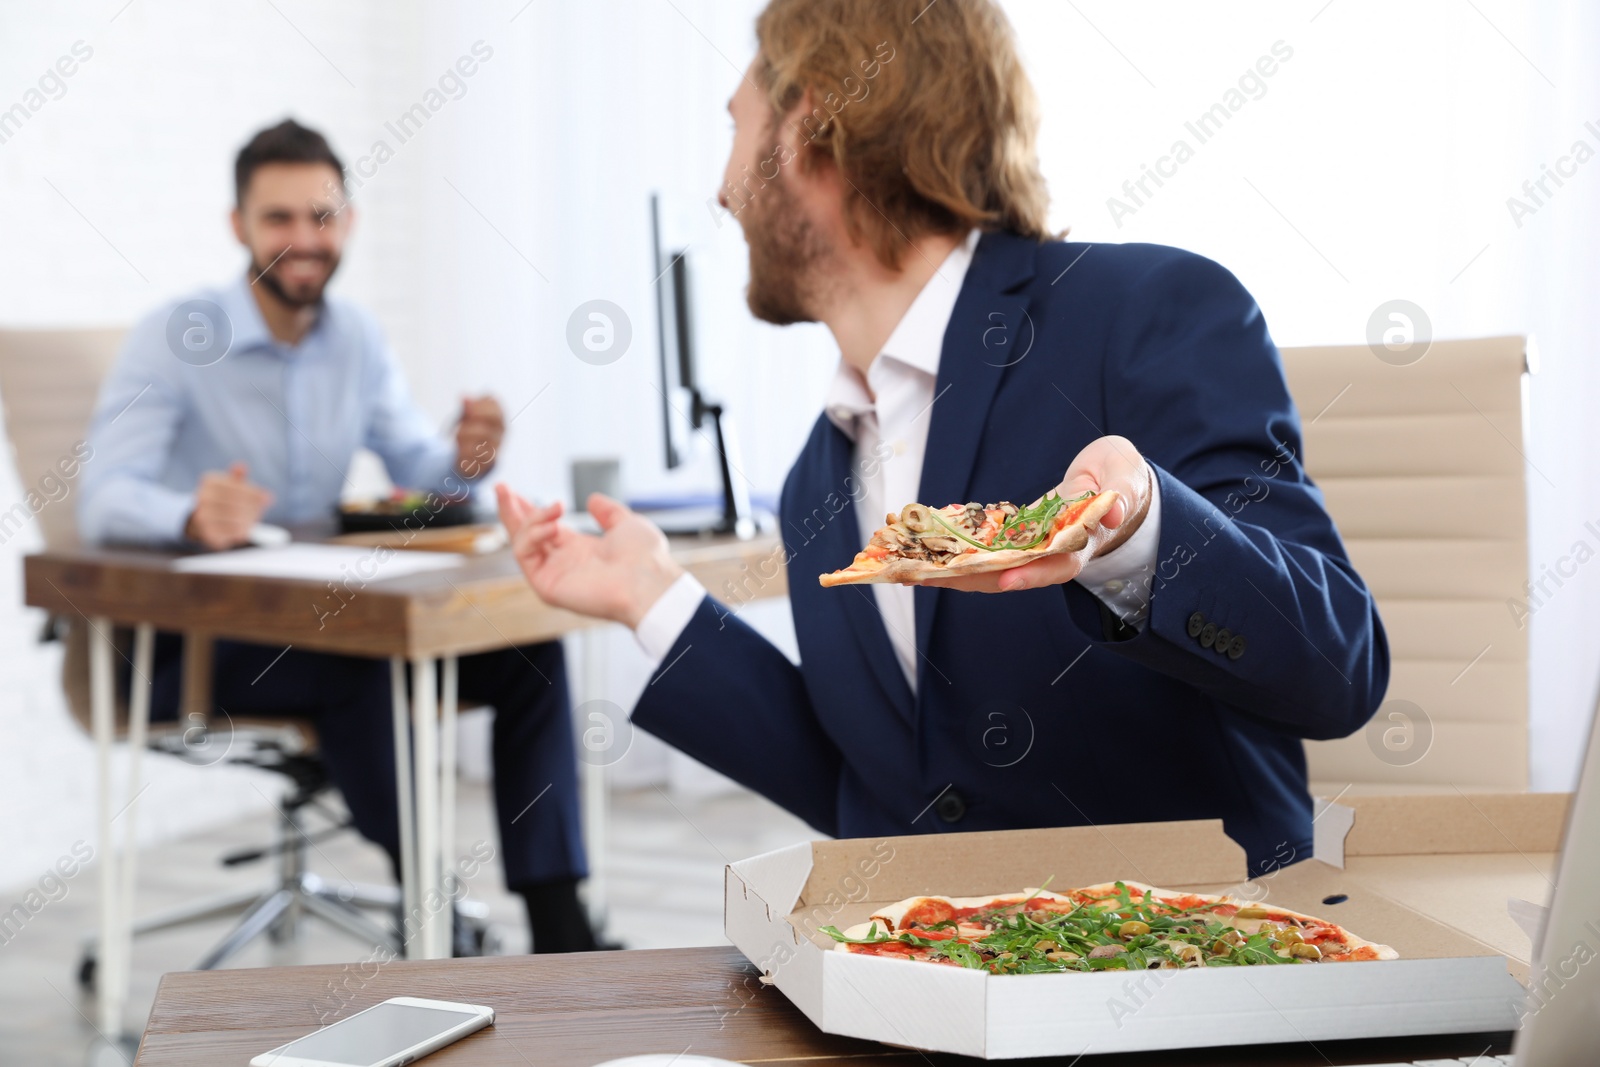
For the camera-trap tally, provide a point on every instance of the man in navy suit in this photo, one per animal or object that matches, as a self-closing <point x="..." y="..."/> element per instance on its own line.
<point x="884" y="174"/>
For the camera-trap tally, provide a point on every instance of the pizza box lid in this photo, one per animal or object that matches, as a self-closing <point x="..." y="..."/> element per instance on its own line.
<point x="1446" y="980"/>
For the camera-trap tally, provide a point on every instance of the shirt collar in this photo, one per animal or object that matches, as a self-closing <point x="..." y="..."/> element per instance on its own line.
<point x="249" y="326"/>
<point x="916" y="342"/>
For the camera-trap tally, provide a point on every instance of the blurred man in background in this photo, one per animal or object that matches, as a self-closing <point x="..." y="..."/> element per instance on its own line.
<point x="247" y="403"/>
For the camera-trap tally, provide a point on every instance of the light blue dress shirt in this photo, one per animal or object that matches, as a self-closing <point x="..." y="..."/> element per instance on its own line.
<point x="295" y="414"/>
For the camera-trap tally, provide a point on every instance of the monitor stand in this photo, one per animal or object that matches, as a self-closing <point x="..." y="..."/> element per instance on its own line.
<point x="735" y="516"/>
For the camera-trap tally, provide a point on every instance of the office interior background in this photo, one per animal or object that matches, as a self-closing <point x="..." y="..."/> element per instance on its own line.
<point x="1384" y="158"/>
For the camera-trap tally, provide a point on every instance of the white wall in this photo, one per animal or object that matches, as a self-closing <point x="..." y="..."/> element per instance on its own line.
<point x="1376" y="165"/>
<point x="113" y="197"/>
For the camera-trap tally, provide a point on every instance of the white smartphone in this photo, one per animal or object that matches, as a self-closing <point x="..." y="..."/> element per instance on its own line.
<point x="400" y="1030"/>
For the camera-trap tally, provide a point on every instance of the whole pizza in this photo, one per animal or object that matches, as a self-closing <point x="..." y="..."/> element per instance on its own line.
<point x="921" y="542"/>
<point x="1114" y="926"/>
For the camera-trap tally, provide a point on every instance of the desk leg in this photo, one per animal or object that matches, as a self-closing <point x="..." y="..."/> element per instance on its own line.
<point x="138" y="735"/>
<point x="448" y="706"/>
<point x="102" y="715"/>
<point x="425" y="737"/>
<point x="410" y="946"/>
<point x="116" y="860"/>
<point x="594" y="778"/>
<point x="196" y="695"/>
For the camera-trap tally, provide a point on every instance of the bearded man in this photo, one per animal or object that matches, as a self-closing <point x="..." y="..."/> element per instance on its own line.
<point x="247" y="403"/>
<point x="885" y="176"/>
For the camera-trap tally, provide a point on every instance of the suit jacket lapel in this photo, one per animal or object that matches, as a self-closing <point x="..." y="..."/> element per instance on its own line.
<point x="990" y="329"/>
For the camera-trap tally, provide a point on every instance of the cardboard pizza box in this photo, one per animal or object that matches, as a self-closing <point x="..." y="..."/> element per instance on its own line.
<point x="1481" y="863"/>
<point x="1446" y="981"/>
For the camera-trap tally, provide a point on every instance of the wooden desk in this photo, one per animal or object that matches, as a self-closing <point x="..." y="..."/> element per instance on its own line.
<point x="555" y="1011"/>
<point x="482" y="605"/>
<point x="424" y="621"/>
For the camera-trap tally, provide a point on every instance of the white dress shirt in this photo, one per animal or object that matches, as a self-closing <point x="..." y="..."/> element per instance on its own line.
<point x="886" y="414"/>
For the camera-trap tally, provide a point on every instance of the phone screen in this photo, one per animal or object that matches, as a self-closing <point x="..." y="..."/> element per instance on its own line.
<point x="373" y="1035"/>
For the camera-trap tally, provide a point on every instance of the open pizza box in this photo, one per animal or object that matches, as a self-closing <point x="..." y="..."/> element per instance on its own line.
<point x="1446" y="981"/>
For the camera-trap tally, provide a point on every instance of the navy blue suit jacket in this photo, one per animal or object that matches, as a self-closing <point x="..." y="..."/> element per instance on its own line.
<point x="1037" y="708"/>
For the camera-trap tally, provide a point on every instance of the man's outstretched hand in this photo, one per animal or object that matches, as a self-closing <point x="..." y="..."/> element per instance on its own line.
<point x="617" y="576"/>
<point x="1105" y="463"/>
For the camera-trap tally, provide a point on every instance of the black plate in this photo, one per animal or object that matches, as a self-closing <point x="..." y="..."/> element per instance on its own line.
<point x="460" y="513"/>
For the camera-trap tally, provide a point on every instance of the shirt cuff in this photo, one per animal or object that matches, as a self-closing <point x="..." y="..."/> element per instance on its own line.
<point x="170" y="516"/>
<point x="1121" y="578"/>
<point x="667" y="618"/>
<point x="136" y="513"/>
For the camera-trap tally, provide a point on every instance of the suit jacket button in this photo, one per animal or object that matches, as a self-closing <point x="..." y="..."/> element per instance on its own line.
<point x="1224" y="635"/>
<point x="1208" y="636"/>
<point x="1197" y="622"/>
<point x="1236" y="646"/>
<point x="950" y="806"/>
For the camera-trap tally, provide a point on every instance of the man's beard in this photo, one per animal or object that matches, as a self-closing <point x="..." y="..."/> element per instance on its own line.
<point x="306" y="294"/>
<point x="787" y="257"/>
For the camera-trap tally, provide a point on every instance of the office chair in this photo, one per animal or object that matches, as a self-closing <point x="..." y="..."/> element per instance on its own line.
<point x="1419" y="456"/>
<point x="48" y="384"/>
<point x="286" y="747"/>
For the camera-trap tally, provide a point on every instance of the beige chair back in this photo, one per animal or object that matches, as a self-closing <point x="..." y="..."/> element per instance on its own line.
<point x="1422" y="466"/>
<point x="48" y="383"/>
<point x="49" y="380"/>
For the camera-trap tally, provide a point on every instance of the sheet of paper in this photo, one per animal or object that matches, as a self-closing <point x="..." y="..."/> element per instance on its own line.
<point x="318" y="563"/>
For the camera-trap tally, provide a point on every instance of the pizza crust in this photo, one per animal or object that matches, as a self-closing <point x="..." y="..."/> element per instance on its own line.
<point x="892" y="915"/>
<point x="1073" y="537"/>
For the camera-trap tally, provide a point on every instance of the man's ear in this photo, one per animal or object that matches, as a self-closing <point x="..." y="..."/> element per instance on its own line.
<point x="801" y="128"/>
<point x="804" y="122"/>
<point x="812" y="162"/>
<point x="238" y="226"/>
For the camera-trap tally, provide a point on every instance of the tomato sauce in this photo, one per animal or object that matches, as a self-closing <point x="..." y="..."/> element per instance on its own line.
<point x="928" y="912"/>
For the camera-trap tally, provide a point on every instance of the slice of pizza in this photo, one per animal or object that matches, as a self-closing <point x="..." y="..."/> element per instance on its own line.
<point x="923" y="542"/>
<point x="1115" y="926"/>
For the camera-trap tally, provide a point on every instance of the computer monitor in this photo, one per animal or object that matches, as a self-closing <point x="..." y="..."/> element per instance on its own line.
<point x="1559" y="1019"/>
<point x="674" y="344"/>
<point x="685" y="409"/>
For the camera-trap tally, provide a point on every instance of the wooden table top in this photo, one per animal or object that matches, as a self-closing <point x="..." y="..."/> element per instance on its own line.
<point x="483" y="604"/>
<point x="556" y="1011"/>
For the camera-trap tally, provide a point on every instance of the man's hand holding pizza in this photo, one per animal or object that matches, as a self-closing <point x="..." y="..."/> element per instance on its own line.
<point x="622" y="573"/>
<point x="1108" y="462"/>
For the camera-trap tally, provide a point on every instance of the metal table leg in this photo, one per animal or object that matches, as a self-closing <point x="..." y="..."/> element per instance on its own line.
<point x="102" y="714"/>
<point x="144" y="638"/>
<point x="409" y="942"/>
<point x="117" y="857"/>
<point x="425" y="776"/>
<point x="594" y="778"/>
<point x="432" y="915"/>
<point x="449" y="690"/>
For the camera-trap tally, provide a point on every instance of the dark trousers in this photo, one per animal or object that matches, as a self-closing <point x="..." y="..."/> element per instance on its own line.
<point x="347" y="699"/>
